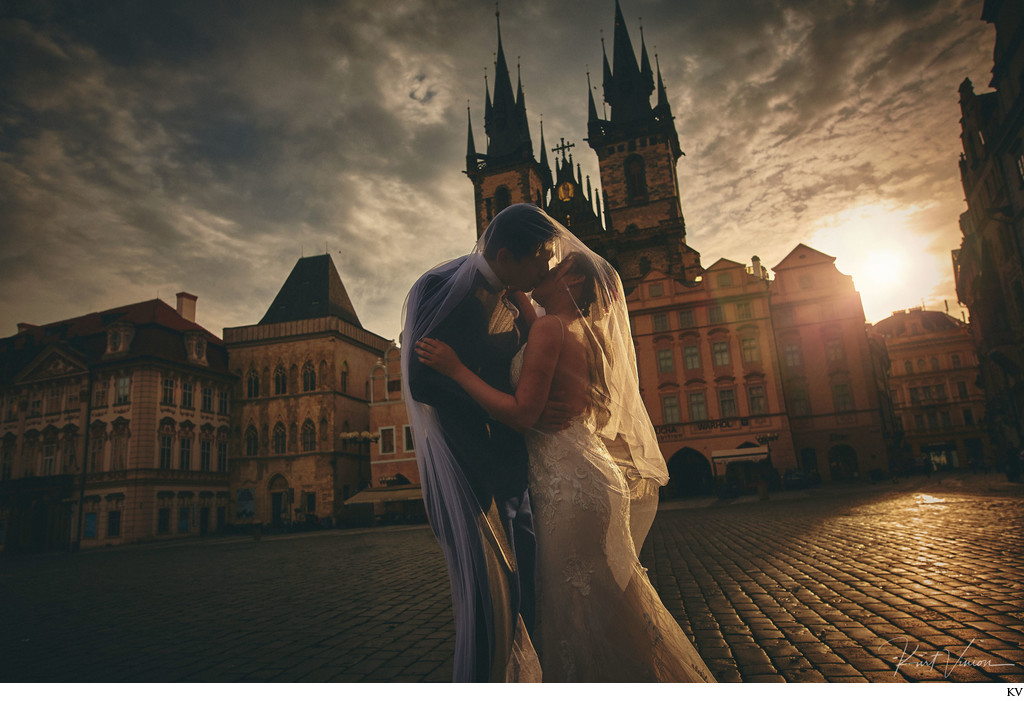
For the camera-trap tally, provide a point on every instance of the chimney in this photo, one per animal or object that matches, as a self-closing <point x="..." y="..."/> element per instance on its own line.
<point x="187" y="306"/>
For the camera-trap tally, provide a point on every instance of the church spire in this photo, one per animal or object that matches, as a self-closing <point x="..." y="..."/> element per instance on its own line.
<point x="627" y="87"/>
<point x="663" y="108"/>
<point x="646" y="76"/>
<point x="545" y="169"/>
<point x="591" y="107"/>
<point x="506" y="126"/>
<point x="470" y="145"/>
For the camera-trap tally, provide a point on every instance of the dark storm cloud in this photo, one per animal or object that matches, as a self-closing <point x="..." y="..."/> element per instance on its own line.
<point x="151" y="147"/>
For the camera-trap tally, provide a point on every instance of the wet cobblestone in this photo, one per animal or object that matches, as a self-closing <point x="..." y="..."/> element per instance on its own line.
<point x="921" y="581"/>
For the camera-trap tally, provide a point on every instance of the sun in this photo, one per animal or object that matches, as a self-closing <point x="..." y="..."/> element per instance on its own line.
<point x="883" y="267"/>
<point x="893" y="262"/>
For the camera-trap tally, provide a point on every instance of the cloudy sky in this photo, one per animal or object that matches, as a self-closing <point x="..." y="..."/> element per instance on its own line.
<point x="153" y="147"/>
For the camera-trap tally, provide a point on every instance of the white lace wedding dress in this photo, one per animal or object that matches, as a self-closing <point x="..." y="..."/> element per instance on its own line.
<point x="599" y="619"/>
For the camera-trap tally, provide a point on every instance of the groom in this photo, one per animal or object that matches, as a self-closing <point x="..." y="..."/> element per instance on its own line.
<point x="477" y="318"/>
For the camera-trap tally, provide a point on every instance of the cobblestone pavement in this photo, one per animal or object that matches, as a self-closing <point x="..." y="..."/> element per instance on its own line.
<point x="916" y="581"/>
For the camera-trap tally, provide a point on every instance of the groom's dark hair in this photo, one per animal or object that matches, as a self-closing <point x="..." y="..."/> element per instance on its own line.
<point x="520" y="228"/>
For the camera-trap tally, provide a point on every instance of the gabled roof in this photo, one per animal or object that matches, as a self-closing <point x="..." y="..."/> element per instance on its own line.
<point x="802" y="256"/>
<point x="313" y="290"/>
<point x="722" y="263"/>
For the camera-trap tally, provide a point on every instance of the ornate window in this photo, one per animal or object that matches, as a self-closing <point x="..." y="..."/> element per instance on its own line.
<point x="207" y="400"/>
<point x="691" y="357"/>
<point x="280" y="441"/>
<point x="749" y="350"/>
<point x="698" y="406"/>
<point x="222" y="456"/>
<point x="205" y="445"/>
<point x="799" y="402"/>
<point x="123" y="390"/>
<point x="720" y="353"/>
<point x="757" y="399"/>
<point x="308" y="377"/>
<point x="834" y="349"/>
<point x="185" y="456"/>
<point x="186" y="395"/>
<point x="636" y="178"/>
<point x="252" y="441"/>
<point x="727" y="403"/>
<point x="280" y="381"/>
<point x="665" y="360"/>
<point x="168" y="394"/>
<point x="792" y="354"/>
<point x="252" y="384"/>
<point x="308" y="436"/>
<point x="670" y="409"/>
<point x="502" y="199"/>
<point x="842" y="397"/>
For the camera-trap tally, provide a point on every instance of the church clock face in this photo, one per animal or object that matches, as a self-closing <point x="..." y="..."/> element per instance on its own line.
<point x="565" y="191"/>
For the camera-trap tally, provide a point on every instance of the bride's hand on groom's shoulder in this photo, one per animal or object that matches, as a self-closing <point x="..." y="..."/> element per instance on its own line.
<point x="438" y="355"/>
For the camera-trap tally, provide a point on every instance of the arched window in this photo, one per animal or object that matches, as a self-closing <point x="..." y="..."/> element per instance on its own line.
<point x="344" y="376"/>
<point x="308" y="436"/>
<point x="252" y="382"/>
<point x="502" y="199"/>
<point x="252" y="441"/>
<point x="280" y="439"/>
<point x="636" y="178"/>
<point x="308" y="377"/>
<point x="280" y="381"/>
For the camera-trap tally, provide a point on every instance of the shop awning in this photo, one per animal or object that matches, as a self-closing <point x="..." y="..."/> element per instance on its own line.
<point x="386" y="494"/>
<point x="724" y="457"/>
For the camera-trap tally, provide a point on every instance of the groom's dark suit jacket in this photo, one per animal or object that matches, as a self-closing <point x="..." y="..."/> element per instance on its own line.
<point x="484" y="334"/>
<point x="492" y="456"/>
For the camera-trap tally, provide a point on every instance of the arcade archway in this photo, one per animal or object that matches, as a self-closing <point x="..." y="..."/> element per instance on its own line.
<point x="689" y="475"/>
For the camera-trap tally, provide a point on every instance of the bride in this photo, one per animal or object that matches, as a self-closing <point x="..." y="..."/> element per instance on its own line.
<point x="599" y="619"/>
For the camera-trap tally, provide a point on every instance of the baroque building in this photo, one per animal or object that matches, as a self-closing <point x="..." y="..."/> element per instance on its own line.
<point x="114" y="429"/>
<point x="940" y="409"/>
<point x="710" y="378"/>
<point x="989" y="265"/>
<point x="302" y="404"/>
<point x="834" y="375"/>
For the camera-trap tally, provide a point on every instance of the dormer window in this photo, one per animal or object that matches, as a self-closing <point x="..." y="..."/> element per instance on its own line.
<point x="119" y="337"/>
<point x="195" y="345"/>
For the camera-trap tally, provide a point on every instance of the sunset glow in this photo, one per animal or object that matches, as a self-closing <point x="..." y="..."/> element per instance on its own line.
<point x="137" y="161"/>
<point x="894" y="264"/>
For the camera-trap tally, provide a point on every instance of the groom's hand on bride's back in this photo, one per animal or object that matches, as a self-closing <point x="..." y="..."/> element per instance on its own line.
<point x="555" y="417"/>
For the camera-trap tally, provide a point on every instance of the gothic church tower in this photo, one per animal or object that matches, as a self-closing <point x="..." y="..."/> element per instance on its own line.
<point x="507" y="173"/>
<point x="637" y="149"/>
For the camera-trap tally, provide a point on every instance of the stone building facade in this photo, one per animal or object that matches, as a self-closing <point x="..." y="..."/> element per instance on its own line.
<point x="710" y="378"/>
<point x="833" y="375"/>
<point x="114" y="429"/>
<point x="989" y="265"/>
<point x="302" y="375"/>
<point x="940" y="408"/>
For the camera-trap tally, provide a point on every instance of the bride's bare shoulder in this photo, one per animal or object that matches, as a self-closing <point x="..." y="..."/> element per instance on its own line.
<point x="546" y="329"/>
